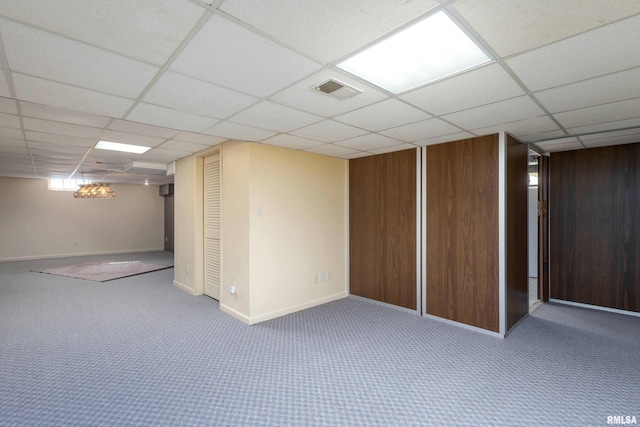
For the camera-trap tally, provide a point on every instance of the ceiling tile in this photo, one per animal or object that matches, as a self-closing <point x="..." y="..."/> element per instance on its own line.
<point x="195" y="96"/>
<point x="183" y="146"/>
<point x="355" y="155"/>
<point x="329" y="131"/>
<point x="229" y="55"/>
<point x="424" y="129"/>
<point x="56" y="58"/>
<point x="302" y="95"/>
<point x="325" y="30"/>
<point x="611" y="138"/>
<point x="4" y="86"/>
<point x="600" y="90"/>
<point x="481" y="86"/>
<point x="237" y="131"/>
<point x="164" y="155"/>
<point x="270" y="116"/>
<point x="600" y="114"/>
<point x="445" y="138"/>
<point x="600" y="127"/>
<point x="60" y="139"/>
<point x="331" y="150"/>
<point x="563" y="144"/>
<point x="198" y="138"/>
<point x="142" y="129"/>
<point x="61" y="95"/>
<point x="369" y="142"/>
<point x="10" y="142"/>
<point x="605" y="50"/>
<point x="59" y="128"/>
<point x="542" y="136"/>
<point x="500" y="112"/>
<point x="518" y="128"/>
<point x="130" y="138"/>
<point x="507" y="26"/>
<point x="291" y="141"/>
<point x="13" y="149"/>
<point x="148" y="30"/>
<point x="393" y="148"/>
<point x="383" y="115"/>
<point x="45" y="112"/>
<point x="8" y="106"/>
<point x="161" y="116"/>
<point x="11" y="133"/>
<point x="10" y="121"/>
<point x="58" y="148"/>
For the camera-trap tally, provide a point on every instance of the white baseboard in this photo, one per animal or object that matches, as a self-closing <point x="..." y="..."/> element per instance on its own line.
<point x="184" y="288"/>
<point x="69" y="255"/>
<point x="463" y="325"/>
<point x="230" y="311"/>
<point x="283" y="312"/>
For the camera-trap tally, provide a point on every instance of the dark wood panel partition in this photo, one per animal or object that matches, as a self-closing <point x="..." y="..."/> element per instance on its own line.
<point x="517" y="183"/>
<point x="382" y="227"/>
<point x="595" y="226"/>
<point x="462" y="231"/>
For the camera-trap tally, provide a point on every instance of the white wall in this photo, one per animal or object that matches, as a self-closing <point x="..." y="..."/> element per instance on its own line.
<point x="39" y="223"/>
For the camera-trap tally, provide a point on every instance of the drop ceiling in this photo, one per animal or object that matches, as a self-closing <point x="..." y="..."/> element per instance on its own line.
<point x="180" y="76"/>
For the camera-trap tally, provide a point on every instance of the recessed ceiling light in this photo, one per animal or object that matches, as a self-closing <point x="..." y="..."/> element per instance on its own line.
<point x="429" y="50"/>
<point x="117" y="146"/>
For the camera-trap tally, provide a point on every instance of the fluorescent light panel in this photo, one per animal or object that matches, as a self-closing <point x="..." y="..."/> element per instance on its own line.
<point x="422" y="53"/>
<point x="126" y="148"/>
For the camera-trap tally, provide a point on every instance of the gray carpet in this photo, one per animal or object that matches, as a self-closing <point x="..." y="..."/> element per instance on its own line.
<point x="139" y="352"/>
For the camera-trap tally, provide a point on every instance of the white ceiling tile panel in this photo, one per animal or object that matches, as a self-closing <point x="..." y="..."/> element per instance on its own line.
<point x="275" y="117"/>
<point x="355" y="155"/>
<point x="165" y="117"/>
<point x="500" y="112"/>
<point x="14" y="149"/>
<point x="600" y="114"/>
<point x="10" y="121"/>
<point x="611" y="138"/>
<point x="9" y="142"/>
<point x="46" y="92"/>
<point x="600" y="90"/>
<point x="60" y="139"/>
<point x="148" y="30"/>
<point x="237" y="131"/>
<point x="58" y="148"/>
<point x="369" y="142"/>
<point x="232" y="56"/>
<point x="8" y="106"/>
<point x="183" y="146"/>
<point x="331" y="150"/>
<point x="11" y="133"/>
<point x="424" y="129"/>
<point x="59" y="128"/>
<point x="604" y="50"/>
<point x="56" y="58"/>
<point x="291" y="141"/>
<point x="302" y="95"/>
<point x="445" y="138"/>
<point x="600" y="127"/>
<point x="561" y="146"/>
<point x="542" y="136"/>
<point x="329" y="131"/>
<point x="130" y="138"/>
<point x="481" y="86"/>
<point x="508" y="26"/>
<point x="198" y="138"/>
<point x="164" y="155"/>
<point x="142" y="129"/>
<point x="327" y="30"/>
<point x="393" y="148"/>
<point x="4" y="86"/>
<point x="522" y="127"/>
<point x="383" y="115"/>
<point x="39" y="111"/>
<point x="196" y="96"/>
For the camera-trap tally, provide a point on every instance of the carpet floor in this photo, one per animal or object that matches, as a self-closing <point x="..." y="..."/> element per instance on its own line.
<point x="140" y="352"/>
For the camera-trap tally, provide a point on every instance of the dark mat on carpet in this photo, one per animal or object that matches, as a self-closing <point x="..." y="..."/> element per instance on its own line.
<point x="104" y="270"/>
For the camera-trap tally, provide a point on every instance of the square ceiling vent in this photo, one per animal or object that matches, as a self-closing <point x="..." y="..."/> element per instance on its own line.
<point x="336" y="89"/>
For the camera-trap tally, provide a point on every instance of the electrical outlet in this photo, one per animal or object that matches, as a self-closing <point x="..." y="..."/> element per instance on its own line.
<point x="315" y="278"/>
<point x="328" y="275"/>
<point x="321" y="275"/>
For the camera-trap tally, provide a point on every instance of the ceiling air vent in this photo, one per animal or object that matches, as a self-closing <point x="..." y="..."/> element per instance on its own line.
<point x="337" y="89"/>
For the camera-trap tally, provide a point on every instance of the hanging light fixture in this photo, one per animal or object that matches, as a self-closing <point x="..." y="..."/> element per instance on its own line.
<point x="98" y="190"/>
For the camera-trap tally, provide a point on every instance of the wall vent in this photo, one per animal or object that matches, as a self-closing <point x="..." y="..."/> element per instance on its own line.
<point x="336" y="89"/>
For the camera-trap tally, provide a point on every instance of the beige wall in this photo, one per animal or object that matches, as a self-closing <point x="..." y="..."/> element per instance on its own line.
<point x="38" y="223"/>
<point x="284" y="218"/>
<point x="295" y="224"/>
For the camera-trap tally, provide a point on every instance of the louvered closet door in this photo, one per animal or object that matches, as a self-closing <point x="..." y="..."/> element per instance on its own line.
<point x="212" y="226"/>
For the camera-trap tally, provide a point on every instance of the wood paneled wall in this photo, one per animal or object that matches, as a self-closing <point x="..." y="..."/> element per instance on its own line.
<point x="382" y="227"/>
<point x="462" y="232"/>
<point x="595" y="226"/>
<point x="517" y="187"/>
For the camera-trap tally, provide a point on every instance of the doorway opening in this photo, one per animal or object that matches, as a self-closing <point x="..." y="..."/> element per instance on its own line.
<point x="533" y="213"/>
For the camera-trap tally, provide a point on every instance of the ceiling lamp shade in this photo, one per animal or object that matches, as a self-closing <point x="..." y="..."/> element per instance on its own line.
<point x="98" y="190"/>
